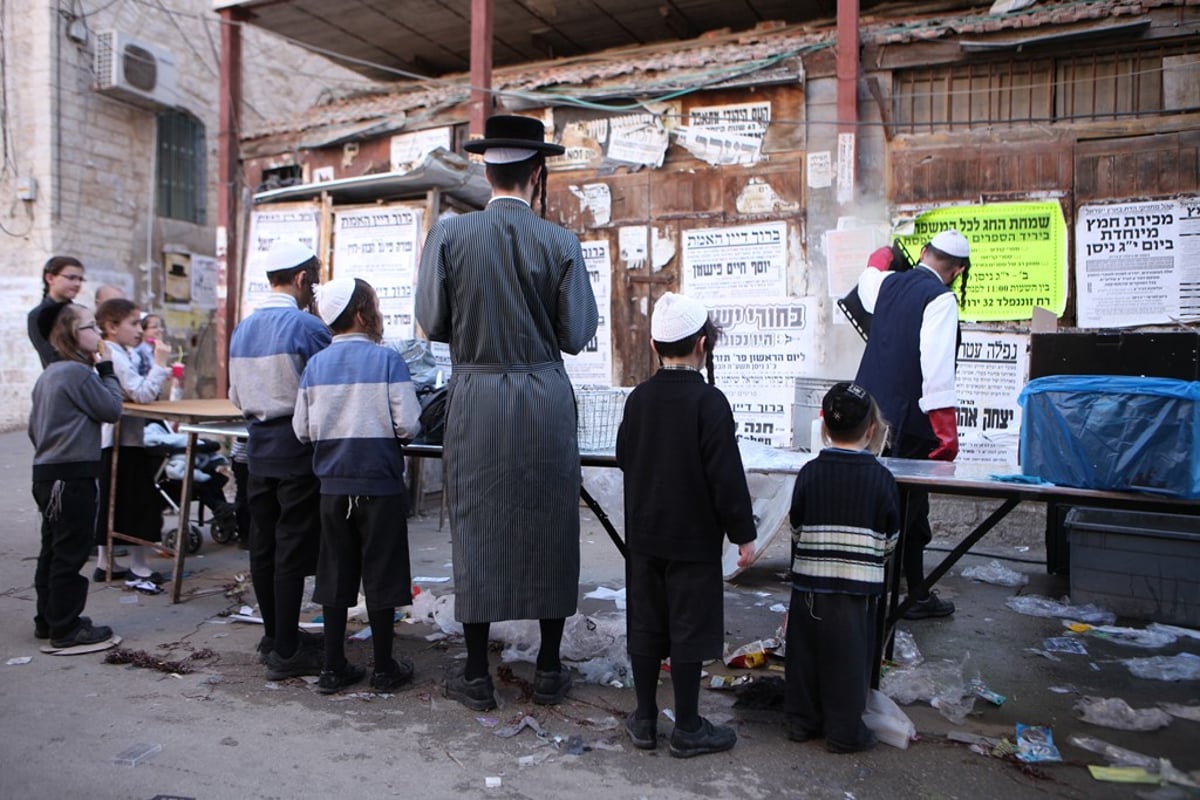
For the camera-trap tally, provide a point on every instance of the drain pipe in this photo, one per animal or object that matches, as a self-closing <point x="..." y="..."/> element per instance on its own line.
<point x="847" y="99"/>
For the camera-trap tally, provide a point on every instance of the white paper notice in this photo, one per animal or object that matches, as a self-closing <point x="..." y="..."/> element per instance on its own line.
<point x="266" y="227"/>
<point x="595" y="198"/>
<point x="764" y="346"/>
<point x="820" y="170"/>
<point x="846" y="168"/>
<point x="593" y="365"/>
<point x="720" y="264"/>
<point x="637" y="139"/>
<point x="992" y="369"/>
<point x="728" y="134"/>
<point x="408" y="150"/>
<point x="1138" y="263"/>
<point x="204" y="282"/>
<point x="846" y="252"/>
<point x="380" y="245"/>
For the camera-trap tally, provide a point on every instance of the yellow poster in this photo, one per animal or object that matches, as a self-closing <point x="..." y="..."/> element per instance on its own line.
<point x="1018" y="257"/>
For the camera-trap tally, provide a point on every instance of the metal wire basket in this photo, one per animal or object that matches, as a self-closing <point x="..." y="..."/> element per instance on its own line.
<point x="600" y="409"/>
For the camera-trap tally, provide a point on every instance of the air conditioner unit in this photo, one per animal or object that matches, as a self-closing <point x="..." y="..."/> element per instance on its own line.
<point x="135" y="72"/>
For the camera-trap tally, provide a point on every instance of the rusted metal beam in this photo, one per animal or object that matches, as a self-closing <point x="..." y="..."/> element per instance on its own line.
<point x="228" y="196"/>
<point x="481" y="64"/>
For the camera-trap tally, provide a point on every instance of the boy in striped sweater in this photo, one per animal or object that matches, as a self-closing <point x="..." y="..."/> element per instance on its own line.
<point x="845" y="515"/>
<point x="356" y="403"/>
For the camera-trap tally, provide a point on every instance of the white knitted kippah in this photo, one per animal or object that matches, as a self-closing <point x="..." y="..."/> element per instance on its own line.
<point x="333" y="297"/>
<point x="287" y="254"/>
<point x="952" y="243"/>
<point x="676" y="317"/>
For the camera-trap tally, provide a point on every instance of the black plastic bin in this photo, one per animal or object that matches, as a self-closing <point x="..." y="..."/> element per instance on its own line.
<point x="1136" y="564"/>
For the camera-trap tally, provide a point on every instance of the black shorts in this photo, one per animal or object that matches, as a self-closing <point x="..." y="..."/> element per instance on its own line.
<point x="675" y="608"/>
<point x="286" y="533"/>
<point x="364" y="539"/>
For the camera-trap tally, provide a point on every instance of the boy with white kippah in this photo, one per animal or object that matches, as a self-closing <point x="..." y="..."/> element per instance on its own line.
<point x="685" y="490"/>
<point x="267" y="354"/>
<point x="355" y="405"/>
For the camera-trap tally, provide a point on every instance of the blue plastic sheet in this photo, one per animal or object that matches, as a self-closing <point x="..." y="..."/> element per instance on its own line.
<point x="1113" y="433"/>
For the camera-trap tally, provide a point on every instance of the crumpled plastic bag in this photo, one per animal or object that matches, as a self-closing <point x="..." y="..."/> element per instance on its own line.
<point x="939" y="683"/>
<point x="888" y="721"/>
<point x="1113" y="712"/>
<point x="905" y="651"/>
<point x="1037" y="606"/>
<point x="996" y="573"/>
<point x="1179" y="667"/>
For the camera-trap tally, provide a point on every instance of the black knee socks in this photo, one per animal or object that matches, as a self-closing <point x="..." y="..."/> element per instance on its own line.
<point x="382" y="622"/>
<point x="686" y="679"/>
<point x="335" y="637"/>
<point x="551" y="644"/>
<point x="645" y="685"/>
<point x="476" y="634"/>
<point x="264" y="592"/>
<point x="289" y="592"/>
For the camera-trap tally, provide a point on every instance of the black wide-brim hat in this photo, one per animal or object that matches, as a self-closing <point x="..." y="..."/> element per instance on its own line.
<point x="504" y="130"/>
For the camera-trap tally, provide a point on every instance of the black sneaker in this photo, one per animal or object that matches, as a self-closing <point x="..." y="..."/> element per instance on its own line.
<point x="334" y="680"/>
<point x="41" y="629"/>
<point x="867" y="743"/>
<point x="550" y="687"/>
<point x="154" y="577"/>
<point x="477" y="694"/>
<point x="120" y="573"/>
<point x="642" y="732"/>
<point x="312" y="641"/>
<point x="86" y="633"/>
<point x="397" y="675"/>
<point x="708" y="739"/>
<point x="265" y="645"/>
<point x="304" y="661"/>
<point x="932" y="606"/>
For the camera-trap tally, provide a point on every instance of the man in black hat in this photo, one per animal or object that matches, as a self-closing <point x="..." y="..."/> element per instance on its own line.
<point x="510" y="293"/>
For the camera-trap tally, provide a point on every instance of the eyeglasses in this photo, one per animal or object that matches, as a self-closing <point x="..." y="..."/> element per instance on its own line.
<point x="72" y="277"/>
<point x="91" y="326"/>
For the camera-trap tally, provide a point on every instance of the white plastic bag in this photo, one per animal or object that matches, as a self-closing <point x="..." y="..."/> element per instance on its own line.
<point x="888" y="721"/>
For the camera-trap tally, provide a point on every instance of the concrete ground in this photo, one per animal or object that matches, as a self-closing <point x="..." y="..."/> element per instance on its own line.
<point x="226" y="732"/>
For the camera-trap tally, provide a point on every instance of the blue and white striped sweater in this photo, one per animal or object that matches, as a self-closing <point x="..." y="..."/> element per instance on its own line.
<point x="356" y="401"/>
<point x="267" y="355"/>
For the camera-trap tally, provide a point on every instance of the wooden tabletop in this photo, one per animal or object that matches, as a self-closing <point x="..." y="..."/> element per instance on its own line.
<point x="188" y="411"/>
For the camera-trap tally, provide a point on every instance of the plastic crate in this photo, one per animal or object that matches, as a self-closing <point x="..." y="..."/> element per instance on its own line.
<point x="1136" y="564"/>
<point x="599" y="409"/>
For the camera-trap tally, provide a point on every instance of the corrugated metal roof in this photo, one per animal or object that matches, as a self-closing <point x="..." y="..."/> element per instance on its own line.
<point x="709" y="60"/>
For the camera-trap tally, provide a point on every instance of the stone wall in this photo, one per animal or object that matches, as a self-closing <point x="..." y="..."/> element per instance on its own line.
<point x="93" y="159"/>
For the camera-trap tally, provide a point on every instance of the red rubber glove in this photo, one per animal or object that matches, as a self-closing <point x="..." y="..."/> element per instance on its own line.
<point x="945" y="427"/>
<point x="881" y="259"/>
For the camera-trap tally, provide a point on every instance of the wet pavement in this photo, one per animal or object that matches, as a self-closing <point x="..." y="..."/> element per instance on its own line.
<point x="225" y="731"/>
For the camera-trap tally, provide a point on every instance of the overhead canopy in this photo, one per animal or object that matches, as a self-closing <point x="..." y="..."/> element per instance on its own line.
<point x="451" y="174"/>
<point x="433" y="37"/>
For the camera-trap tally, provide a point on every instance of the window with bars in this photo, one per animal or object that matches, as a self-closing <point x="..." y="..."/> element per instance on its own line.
<point x="182" y="179"/>
<point x="1025" y="91"/>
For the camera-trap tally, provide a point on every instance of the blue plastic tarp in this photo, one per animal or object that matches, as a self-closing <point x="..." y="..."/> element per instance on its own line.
<point x="1113" y="432"/>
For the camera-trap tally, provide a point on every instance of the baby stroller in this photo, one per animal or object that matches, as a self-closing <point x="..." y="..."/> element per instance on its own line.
<point x="207" y="484"/>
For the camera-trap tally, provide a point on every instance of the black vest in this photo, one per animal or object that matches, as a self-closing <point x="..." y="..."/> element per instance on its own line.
<point x="891" y="365"/>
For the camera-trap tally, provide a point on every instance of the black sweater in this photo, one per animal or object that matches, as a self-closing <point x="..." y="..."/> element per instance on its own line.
<point x="684" y="484"/>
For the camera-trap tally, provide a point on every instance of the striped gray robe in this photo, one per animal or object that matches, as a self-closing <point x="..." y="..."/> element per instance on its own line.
<point x="508" y="291"/>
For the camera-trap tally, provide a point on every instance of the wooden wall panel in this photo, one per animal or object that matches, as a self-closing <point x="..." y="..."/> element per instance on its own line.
<point x="947" y="174"/>
<point x="1137" y="166"/>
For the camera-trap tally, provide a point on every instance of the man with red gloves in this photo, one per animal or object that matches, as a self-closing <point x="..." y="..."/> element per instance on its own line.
<point x="908" y="367"/>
